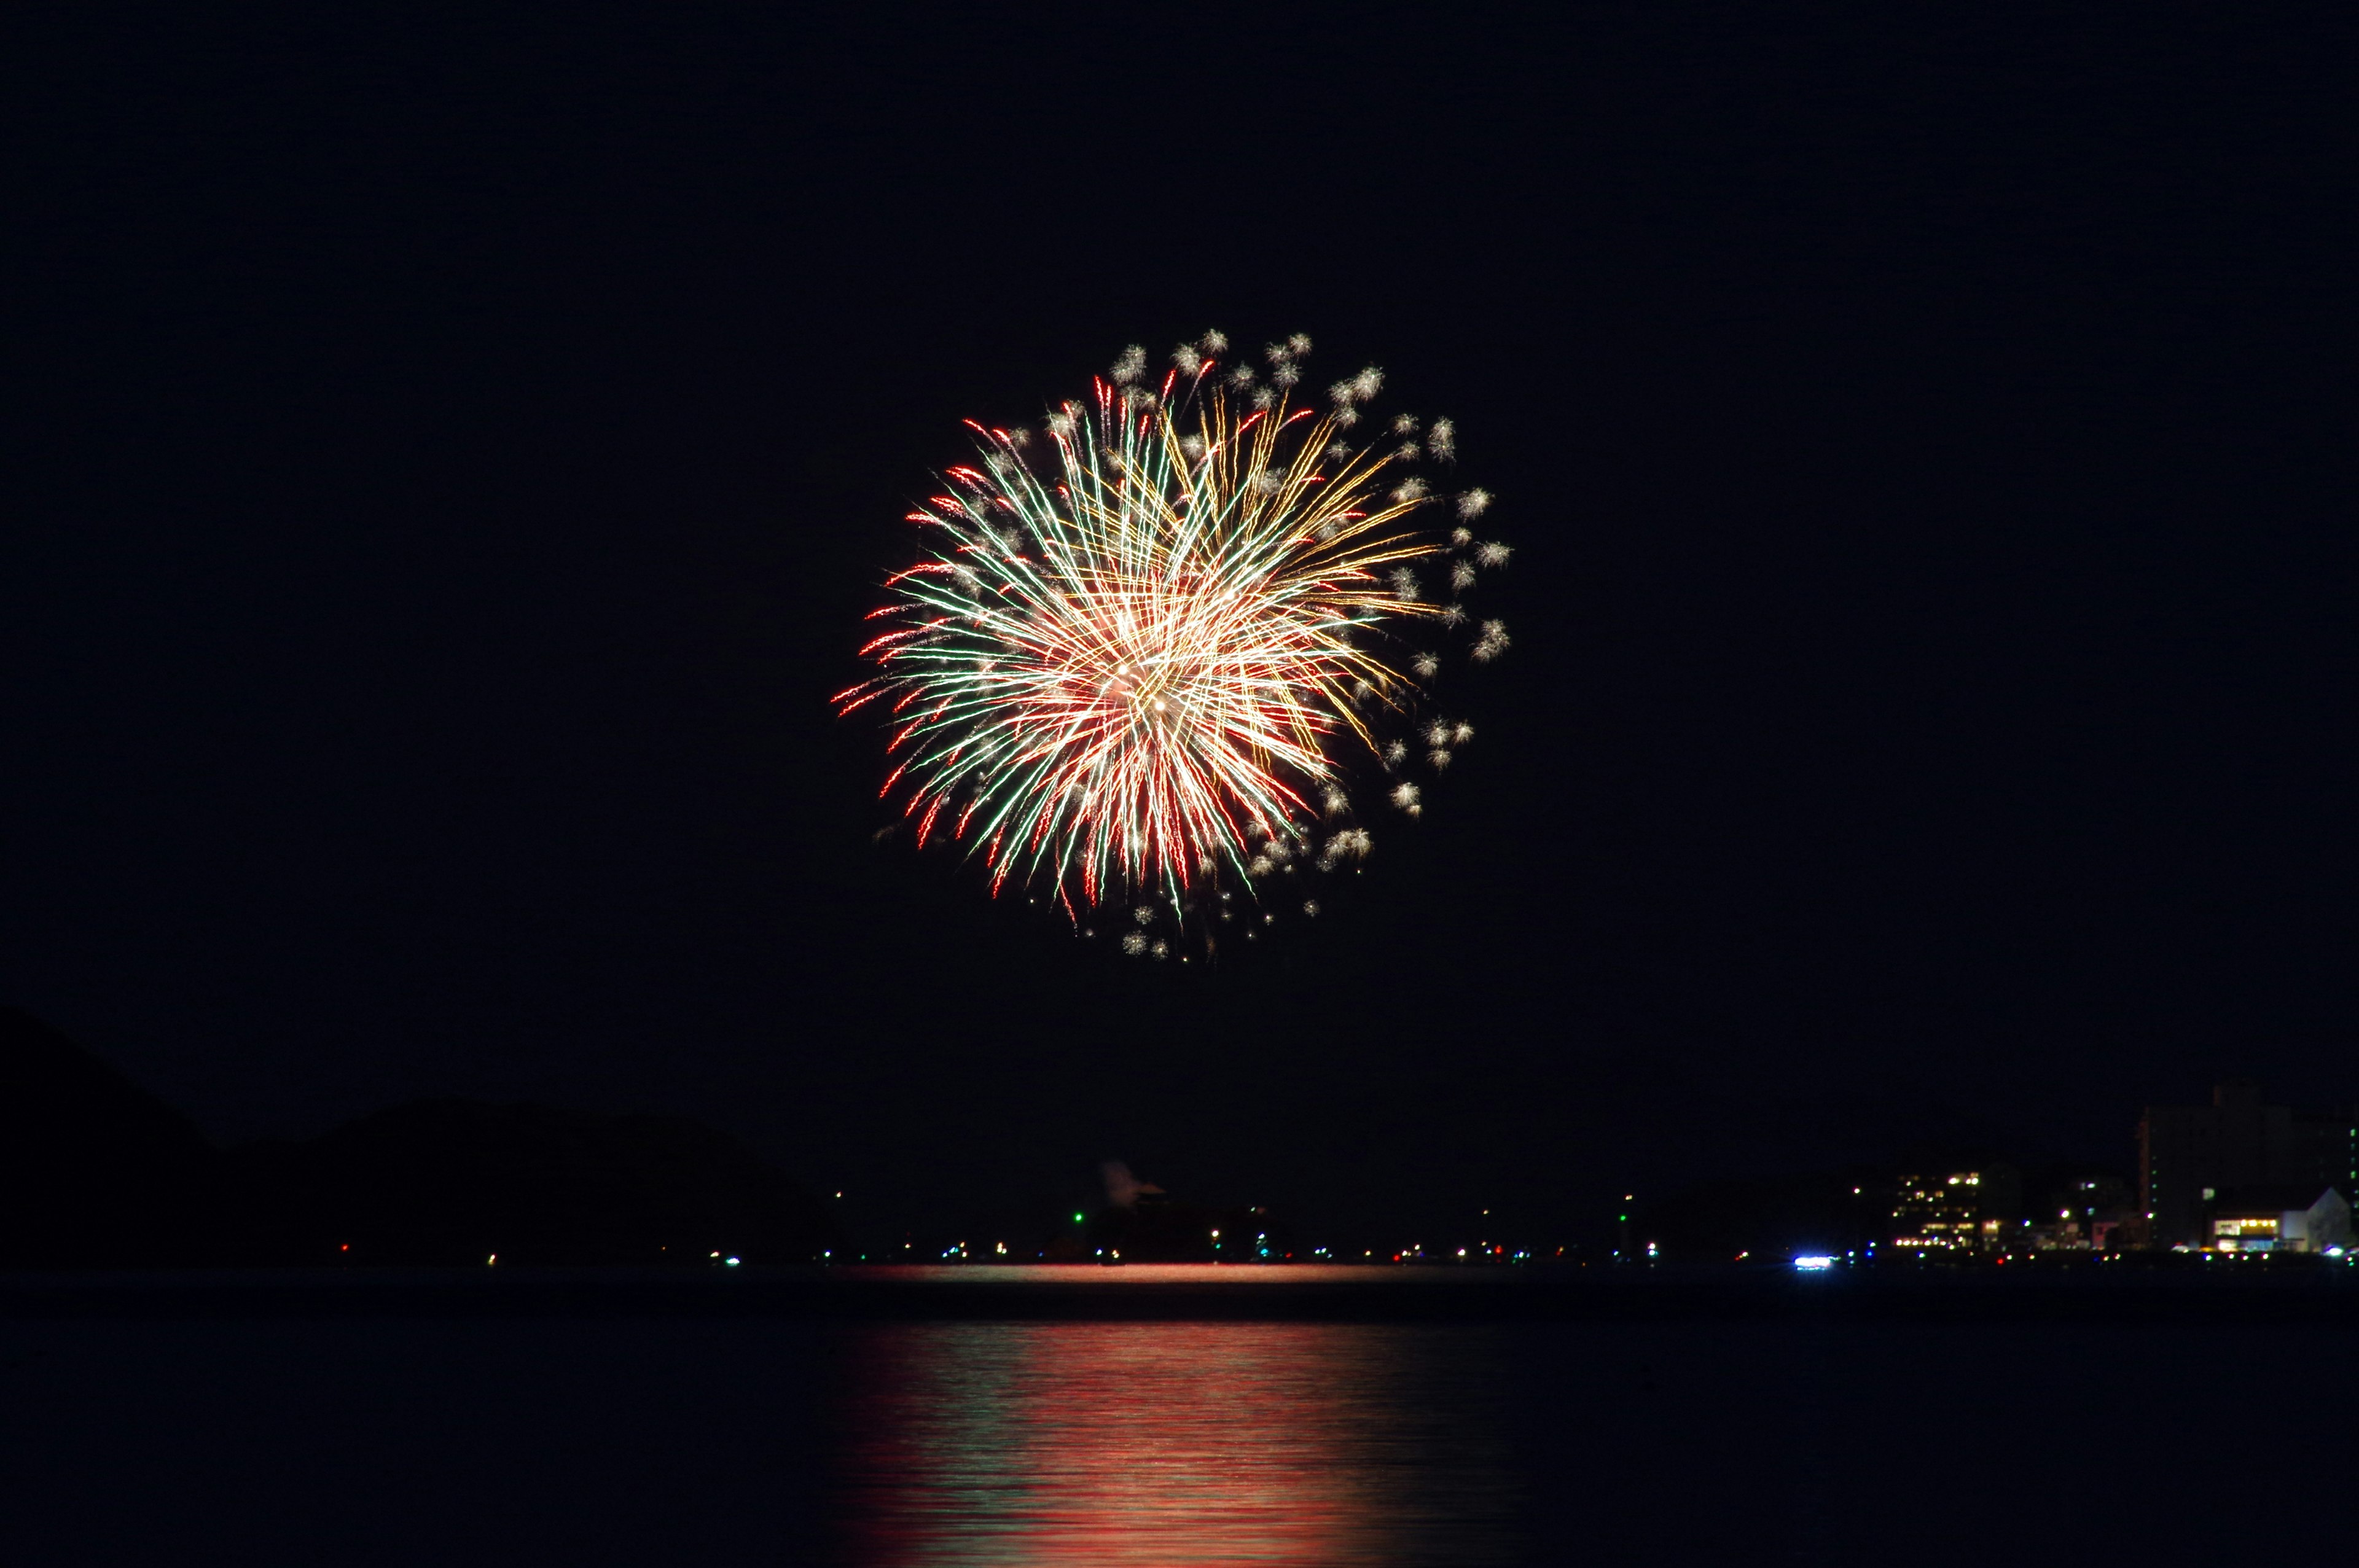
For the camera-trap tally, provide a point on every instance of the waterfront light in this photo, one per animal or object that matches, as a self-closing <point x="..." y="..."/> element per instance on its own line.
<point x="1814" y="1262"/>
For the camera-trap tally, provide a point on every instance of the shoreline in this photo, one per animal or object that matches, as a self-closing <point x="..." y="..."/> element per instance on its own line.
<point x="1209" y="1292"/>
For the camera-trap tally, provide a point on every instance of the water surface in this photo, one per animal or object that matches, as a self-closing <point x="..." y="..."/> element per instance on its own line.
<point x="650" y="1439"/>
<point x="1174" y="1444"/>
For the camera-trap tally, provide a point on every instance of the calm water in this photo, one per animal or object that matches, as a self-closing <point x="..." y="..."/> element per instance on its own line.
<point x="408" y="1441"/>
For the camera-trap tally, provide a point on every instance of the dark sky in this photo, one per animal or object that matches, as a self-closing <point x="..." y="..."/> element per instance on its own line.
<point x="447" y="460"/>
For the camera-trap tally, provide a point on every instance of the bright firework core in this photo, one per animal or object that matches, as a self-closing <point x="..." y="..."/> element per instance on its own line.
<point x="1158" y="652"/>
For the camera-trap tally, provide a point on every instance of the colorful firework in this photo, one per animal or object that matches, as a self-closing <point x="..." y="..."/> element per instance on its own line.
<point x="1152" y="652"/>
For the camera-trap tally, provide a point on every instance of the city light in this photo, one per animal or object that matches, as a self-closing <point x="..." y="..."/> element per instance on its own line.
<point x="1814" y="1262"/>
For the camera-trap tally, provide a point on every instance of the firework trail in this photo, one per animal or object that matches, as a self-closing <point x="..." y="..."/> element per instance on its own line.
<point x="1151" y="650"/>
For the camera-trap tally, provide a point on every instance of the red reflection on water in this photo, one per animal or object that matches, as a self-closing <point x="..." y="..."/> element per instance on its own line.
<point x="1166" y="1443"/>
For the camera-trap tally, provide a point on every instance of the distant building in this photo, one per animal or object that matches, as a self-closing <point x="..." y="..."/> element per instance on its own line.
<point x="2189" y="1155"/>
<point x="2288" y="1219"/>
<point x="1955" y="1211"/>
<point x="2085" y="1210"/>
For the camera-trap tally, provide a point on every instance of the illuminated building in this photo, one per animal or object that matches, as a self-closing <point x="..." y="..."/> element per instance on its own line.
<point x="2189" y="1155"/>
<point x="2289" y="1219"/>
<point x="1954" y="1211"/>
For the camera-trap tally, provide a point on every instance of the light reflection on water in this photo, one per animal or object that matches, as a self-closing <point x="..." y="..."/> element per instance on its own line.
<point x="1172" y="1444"/>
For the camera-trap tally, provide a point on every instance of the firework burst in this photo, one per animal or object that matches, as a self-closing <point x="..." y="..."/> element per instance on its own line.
<point x="1146" y="660"/>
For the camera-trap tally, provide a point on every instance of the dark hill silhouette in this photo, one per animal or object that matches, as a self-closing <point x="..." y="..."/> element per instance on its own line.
<point x="451" y="1182"/>
<point x="97" y="1172"/>
<point x="94" y="1169"/>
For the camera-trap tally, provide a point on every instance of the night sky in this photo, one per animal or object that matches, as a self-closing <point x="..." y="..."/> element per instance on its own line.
<point x="447" y="460"/>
